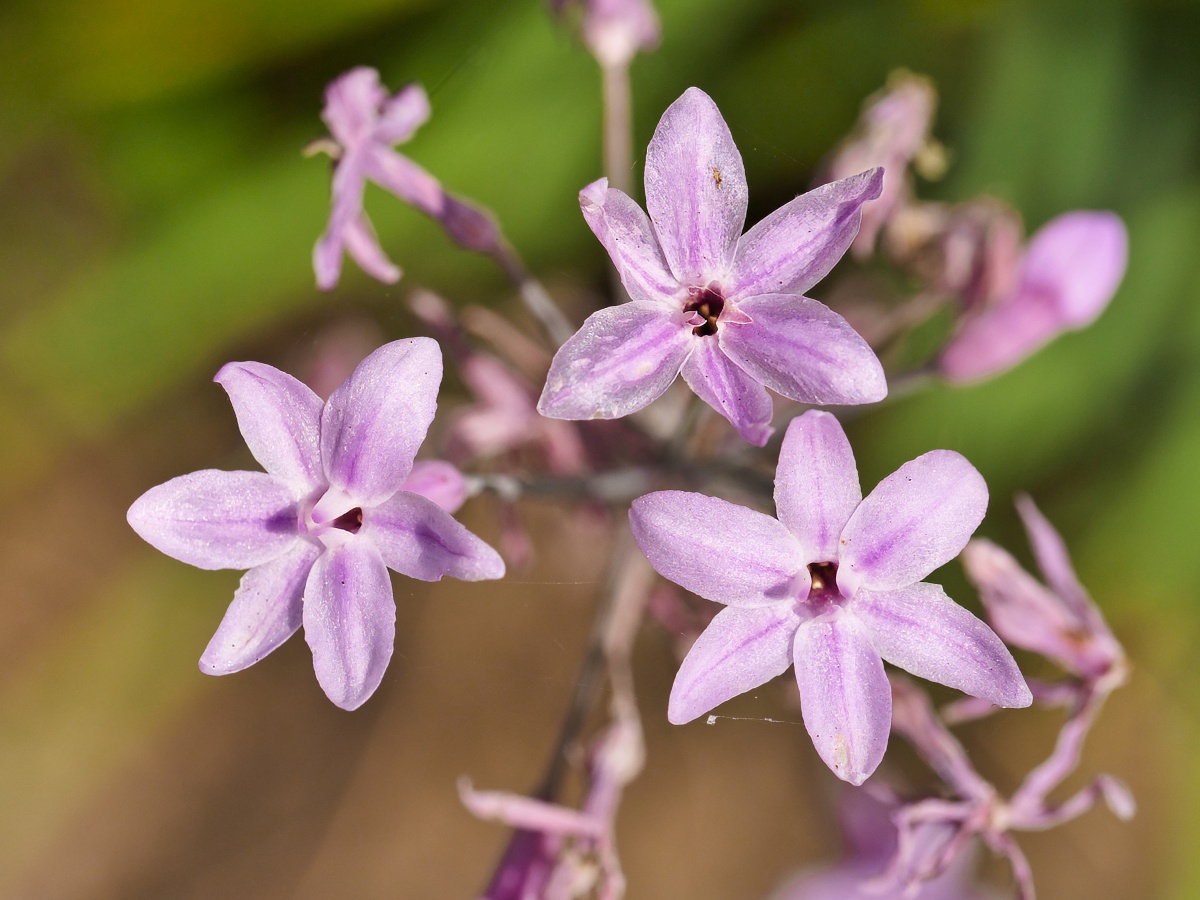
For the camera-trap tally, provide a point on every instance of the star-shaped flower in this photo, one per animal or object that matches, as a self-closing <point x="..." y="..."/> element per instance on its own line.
<point x="724" y="309"/>
<point x="1065" y="279"/>
<point x="339" y="504"/>
<point x="365" y="123"/>
<point x="833" y="585"/>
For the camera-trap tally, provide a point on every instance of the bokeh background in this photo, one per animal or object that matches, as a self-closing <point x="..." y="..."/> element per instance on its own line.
<point x="157" y="219"/>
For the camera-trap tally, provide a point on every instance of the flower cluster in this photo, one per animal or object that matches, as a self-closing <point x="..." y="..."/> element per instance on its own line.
<point x="832" y="586"/>
<point x="1014" y="300"/>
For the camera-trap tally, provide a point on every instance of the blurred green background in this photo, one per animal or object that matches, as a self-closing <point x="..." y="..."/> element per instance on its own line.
<point x="157" y="220"/>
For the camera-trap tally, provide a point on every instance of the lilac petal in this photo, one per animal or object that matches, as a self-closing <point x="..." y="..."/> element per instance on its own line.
<point x="418" y="538"/>
<point x="844" y="695"/>
<point x="280" y="418"/>
<point x="402" y="114"/>
<point x="695" y="189"/>
<point x="732" y="392"/>
<point x="375" y="421"/>
<point x="816" y="483"/>
<point x="498" y="387"/>
<point x="915" y="520"/>
<point x="406" y="180"/>
<point x="345" y="216"/>
<point x="438" y="481"/>
<point x="848" y="881"/>
<point x="625" y="231"/>
<point x="265" y="612"/>
<point x="363" y="247"/>
<point x="349" y="620"/>
<point x="795" y="247"/>
<point x="738" y="651"/>
<point x="327" y="260"/>
<point x="352" y="104"/>
<point x="921" y="630"/>
<point x="1078" y="259"/>
<point x="218" y="520"/>
<point x="621" y="360"/>
<point x="719" y="550"/>
<point x="1023" y="611"/>
<point x="531" y="813"/>
<point x="998" y="339"/>
<point x="805" y="351"/>
<point x="1052" y="558"/>
<point x="1070" y="272"/>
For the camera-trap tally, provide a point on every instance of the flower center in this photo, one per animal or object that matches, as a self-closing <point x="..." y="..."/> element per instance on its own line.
<point x="709" y="304"/>
<point x="349" y="521"/>
<point x="824" y="578"/>
<point x="331" y="519"/>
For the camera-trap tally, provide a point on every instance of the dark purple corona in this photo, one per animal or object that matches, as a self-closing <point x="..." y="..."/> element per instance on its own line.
<point x="709" y="304"/>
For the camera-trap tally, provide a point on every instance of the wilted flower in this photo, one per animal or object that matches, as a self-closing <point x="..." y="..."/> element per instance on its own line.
<point x="891" y="132"/>
<point x="723" y="309"/>
<point x="870" y="839"/>
<point x="340" y="503"/>
<point x="833" y="585"/>
<point x="970" y="250"/>
<point x="1060" y="621"/>
<point x="935" y="833"/>
<point x="1066" y="277"/>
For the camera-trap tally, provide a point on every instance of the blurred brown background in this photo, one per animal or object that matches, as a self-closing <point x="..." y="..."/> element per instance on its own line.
<point x="156" y="220"/>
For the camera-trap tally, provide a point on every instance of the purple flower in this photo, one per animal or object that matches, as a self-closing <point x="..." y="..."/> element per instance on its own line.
<point x="723" y="309"/>
<point x="339" y="504"/>
<point x="1068" y="274"/>
<point x="365" y="122"/>
<point x="832" y="585"/>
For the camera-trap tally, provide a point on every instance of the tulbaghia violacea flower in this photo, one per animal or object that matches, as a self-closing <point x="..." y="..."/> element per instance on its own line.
<point x="1066" y="277"/>
<point x="834" y="586"/>
<point x="340" y="503"/>
<point x="724" y="309"/>
<point x="366" y="122"/>
<point x="1060" y="621"/>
